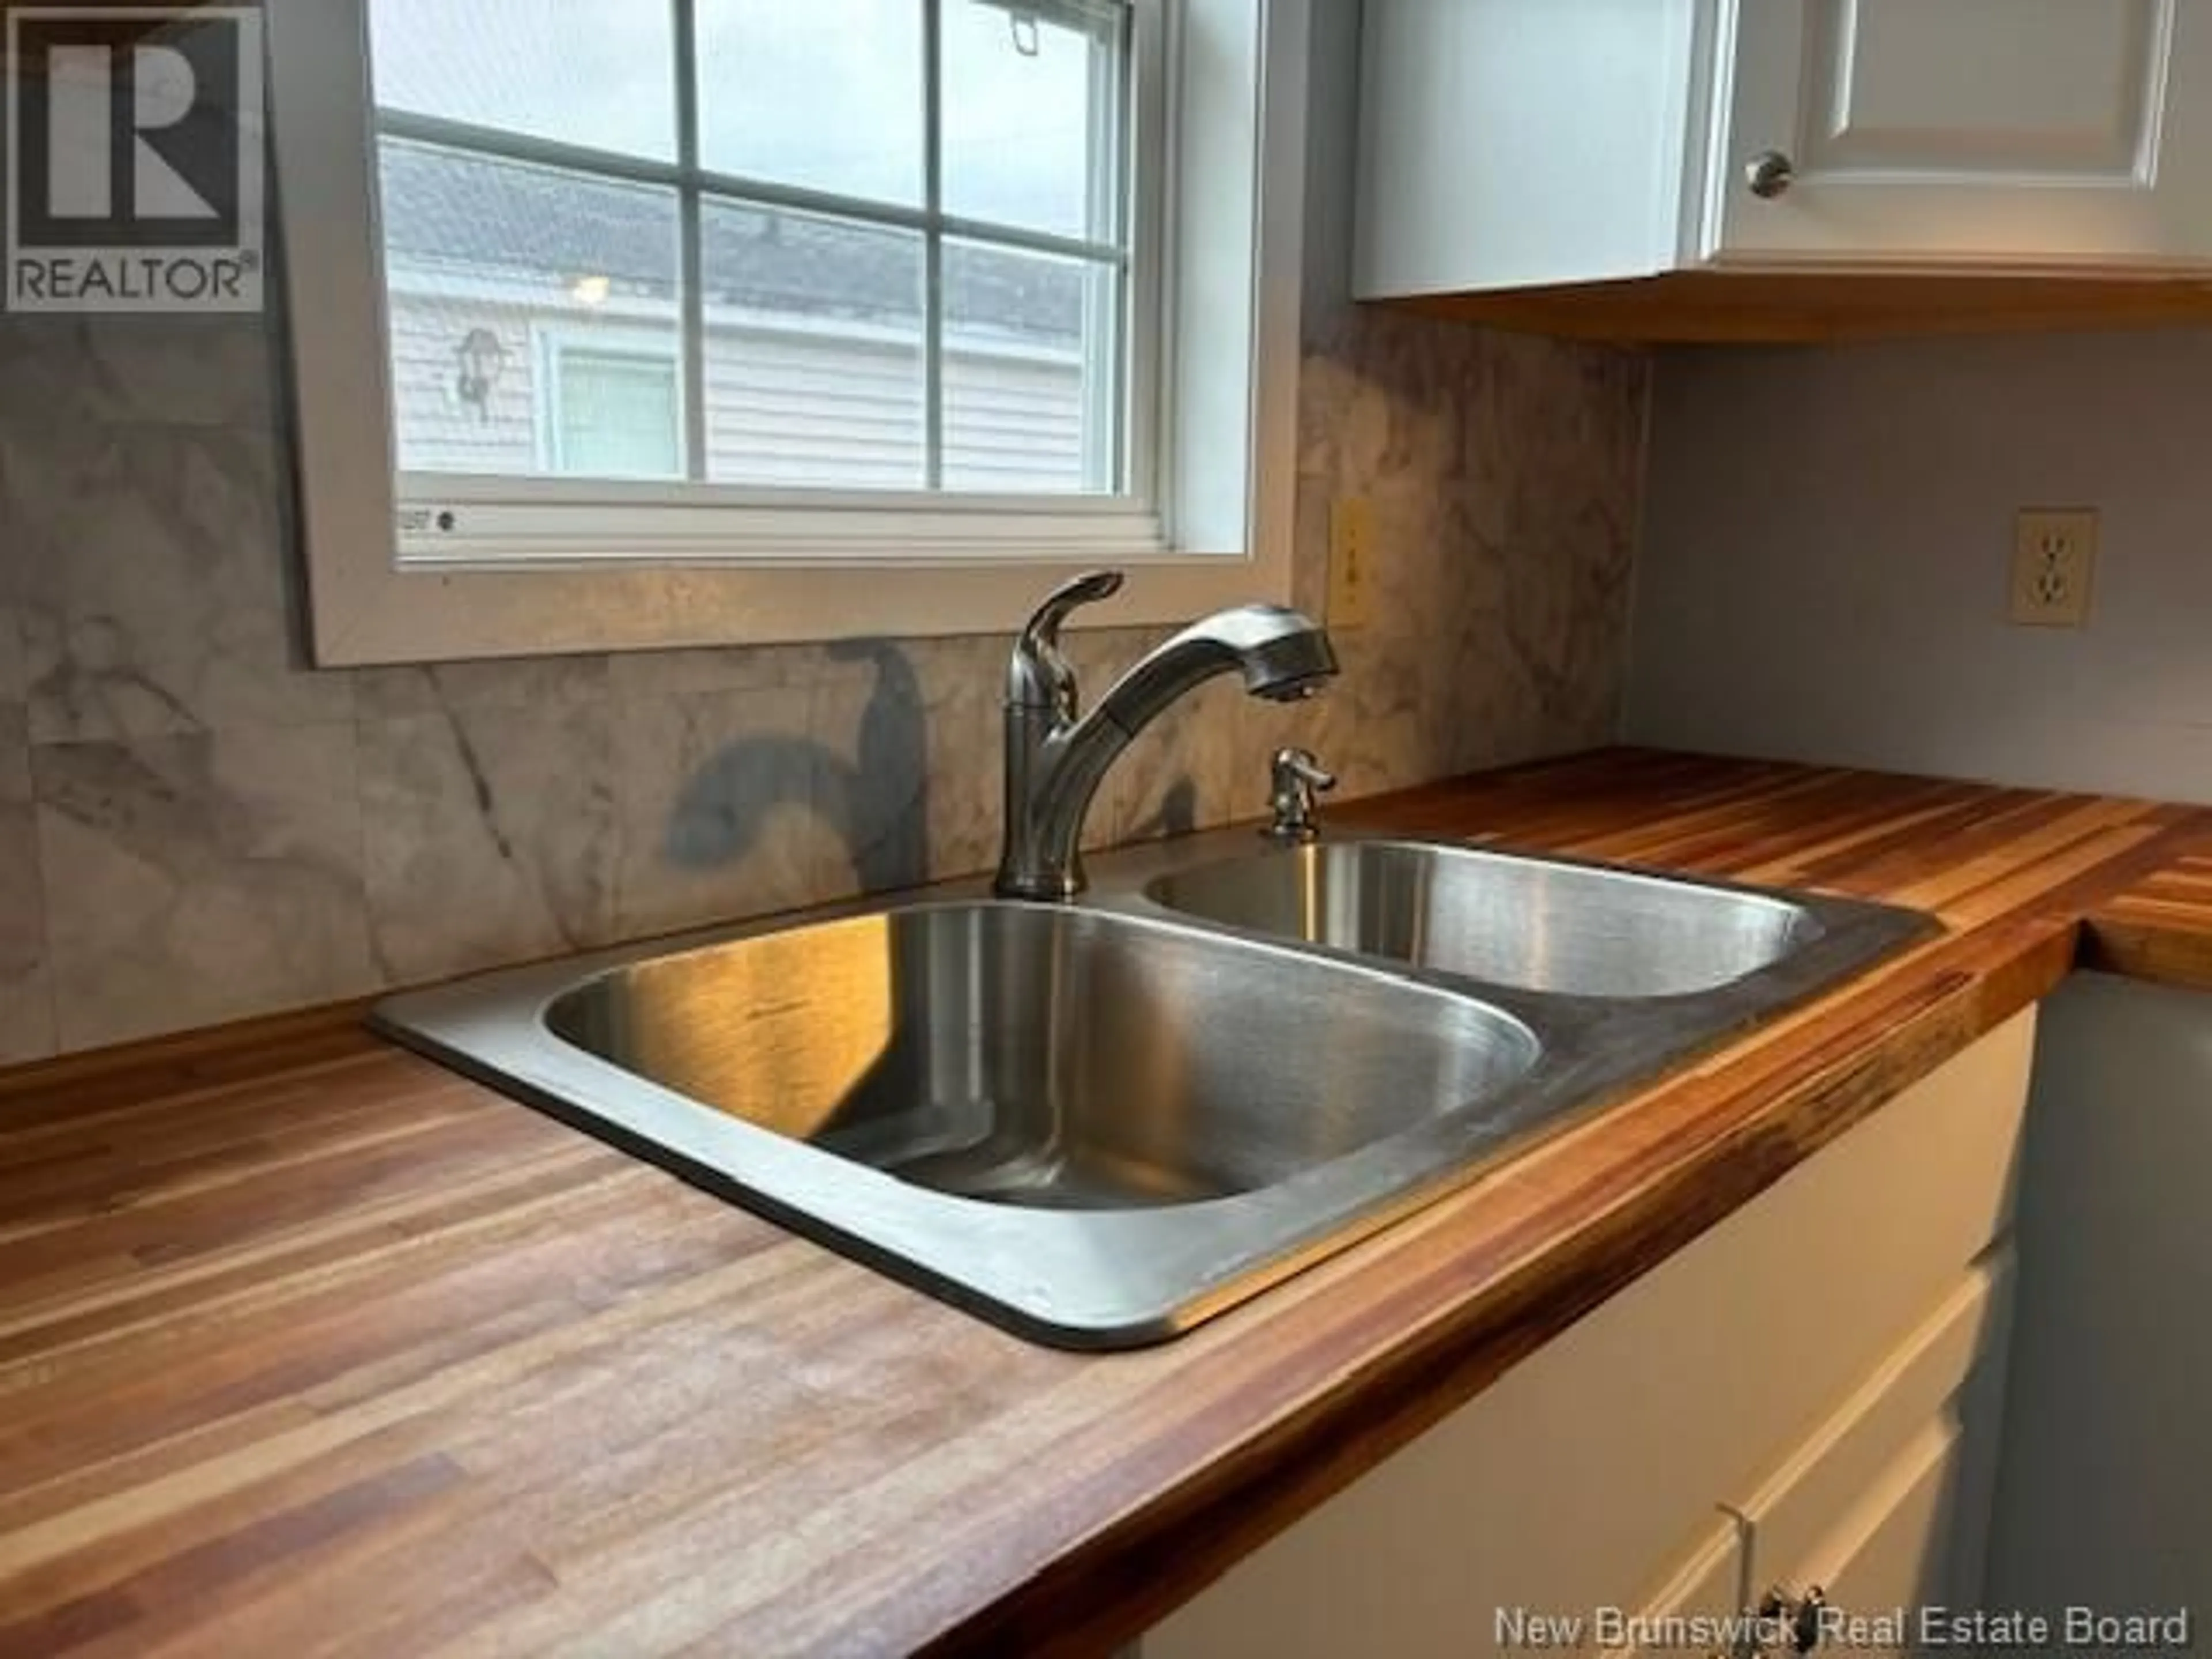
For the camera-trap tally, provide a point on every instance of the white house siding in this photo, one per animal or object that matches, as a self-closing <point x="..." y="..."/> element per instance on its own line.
<point x="784" y="407"/>
<point x="438" y="432"/>
<point x="1012" y="424"/>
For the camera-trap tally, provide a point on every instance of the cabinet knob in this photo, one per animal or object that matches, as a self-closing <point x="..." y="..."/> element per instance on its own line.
<point x="1769" y="173"/>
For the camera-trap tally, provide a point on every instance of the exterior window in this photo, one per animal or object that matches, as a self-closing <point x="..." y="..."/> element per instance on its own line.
<point x="891" y="244"/>
<point x="611" y="413"/>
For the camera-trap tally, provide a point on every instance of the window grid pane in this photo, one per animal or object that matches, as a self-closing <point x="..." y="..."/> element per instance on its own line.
<point x="1031" y="371"/>
<point x="1023" y="351"/>
<point x="814" y="351"/>
<point x="488" y="259"/>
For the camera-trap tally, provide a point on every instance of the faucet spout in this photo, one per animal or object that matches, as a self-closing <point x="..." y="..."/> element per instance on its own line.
<point x="1057" y="755"/>
<point x="1281" y="653"/>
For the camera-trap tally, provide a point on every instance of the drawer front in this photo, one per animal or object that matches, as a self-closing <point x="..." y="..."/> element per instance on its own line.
<point x="1592" y="1473"/>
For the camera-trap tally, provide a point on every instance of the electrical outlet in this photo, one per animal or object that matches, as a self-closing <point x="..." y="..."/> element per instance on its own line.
<point x="2054" y="558"/>
<point x="1351" y="560"/>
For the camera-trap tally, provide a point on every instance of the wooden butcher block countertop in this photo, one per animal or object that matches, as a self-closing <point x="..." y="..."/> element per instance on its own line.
<point x="308" y="1346"/>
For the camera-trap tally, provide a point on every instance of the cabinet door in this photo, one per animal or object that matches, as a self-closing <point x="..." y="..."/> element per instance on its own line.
<point x="2020" y="132"/>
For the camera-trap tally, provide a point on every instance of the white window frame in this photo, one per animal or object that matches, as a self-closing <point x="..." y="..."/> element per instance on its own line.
<point x="550" y="344"/>
<point x="577" y="566"/>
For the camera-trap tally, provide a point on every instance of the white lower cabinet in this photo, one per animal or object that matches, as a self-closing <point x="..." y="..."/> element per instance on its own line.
<point x="1809" y="1394"/>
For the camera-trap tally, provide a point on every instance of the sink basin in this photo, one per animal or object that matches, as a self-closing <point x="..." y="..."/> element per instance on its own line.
<point x="1579" y="930"/>
<point x="1094" y="1127"/>
<point x="1046" y="1057"/>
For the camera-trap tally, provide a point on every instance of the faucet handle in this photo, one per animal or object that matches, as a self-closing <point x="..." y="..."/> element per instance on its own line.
<point x="1296" y="777"/>
<point x="1040" y="677"/>
<point x="1086" y="589"/>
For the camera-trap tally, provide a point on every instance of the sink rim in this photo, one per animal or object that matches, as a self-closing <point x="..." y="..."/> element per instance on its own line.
<point x="1175" y="1266"/>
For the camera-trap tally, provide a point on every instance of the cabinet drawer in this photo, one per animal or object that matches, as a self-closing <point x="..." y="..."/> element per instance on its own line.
<point x="1591" y="1474"/>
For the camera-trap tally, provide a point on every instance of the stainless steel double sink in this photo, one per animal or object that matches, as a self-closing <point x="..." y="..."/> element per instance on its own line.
<point x="1098" y="1122"/>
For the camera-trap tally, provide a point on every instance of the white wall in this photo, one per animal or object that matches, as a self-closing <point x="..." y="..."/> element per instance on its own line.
<point x="1827" y="533"/>
<point x="2103" y="1499"/>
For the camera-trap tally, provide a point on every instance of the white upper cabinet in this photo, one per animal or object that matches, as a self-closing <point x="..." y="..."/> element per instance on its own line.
<point x="1516" y="143"/>
<point x="2023" y="132"/>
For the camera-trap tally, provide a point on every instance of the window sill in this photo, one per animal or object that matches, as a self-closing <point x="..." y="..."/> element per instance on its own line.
<point x="423" y="612"/>
<point x="448" y="521"/>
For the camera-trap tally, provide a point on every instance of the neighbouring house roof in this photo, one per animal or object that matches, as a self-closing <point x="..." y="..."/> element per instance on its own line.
<point x="495" y="216"/>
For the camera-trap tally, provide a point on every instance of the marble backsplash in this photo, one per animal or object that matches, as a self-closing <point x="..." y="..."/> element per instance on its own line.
<point x="196" y="826"/>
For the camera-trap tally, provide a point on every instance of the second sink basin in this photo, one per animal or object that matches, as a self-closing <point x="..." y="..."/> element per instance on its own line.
<point x="1533" y="923"/>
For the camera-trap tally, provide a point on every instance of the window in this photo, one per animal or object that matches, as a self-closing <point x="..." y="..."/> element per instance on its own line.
<point x="609" y="412"/>
<point x="891" y="244"/>
<point x="661" y="313"/>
